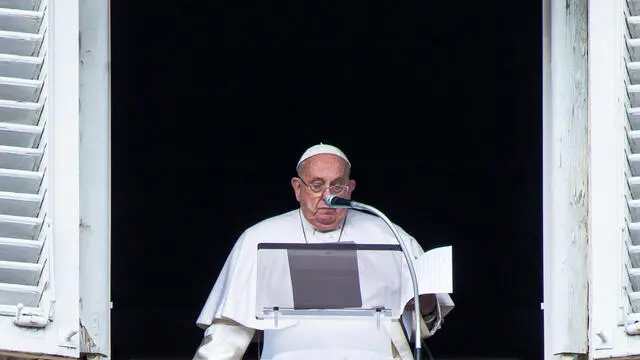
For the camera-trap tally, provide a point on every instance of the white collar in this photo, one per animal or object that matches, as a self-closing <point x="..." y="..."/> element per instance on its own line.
<point x="319" y="236"/>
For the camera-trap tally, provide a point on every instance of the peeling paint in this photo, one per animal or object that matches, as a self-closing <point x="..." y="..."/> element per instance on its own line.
<point x="567" y="181"/>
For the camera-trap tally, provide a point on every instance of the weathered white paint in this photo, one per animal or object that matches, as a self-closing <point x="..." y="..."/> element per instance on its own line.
<point x="606" y="173"/>
<point x="64" y="69"/>
<point x="547" y="308"/>
<point x="565" y="176"/>
<point x="609" y="280"/>
<point x="95" y="244"/>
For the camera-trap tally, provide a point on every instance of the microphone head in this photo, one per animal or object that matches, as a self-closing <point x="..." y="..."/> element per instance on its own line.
<point x="335" y="201"/>
<point x="329" y="199"/>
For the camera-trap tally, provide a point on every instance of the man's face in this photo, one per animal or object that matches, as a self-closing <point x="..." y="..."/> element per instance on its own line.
<point x="320" y="172"/>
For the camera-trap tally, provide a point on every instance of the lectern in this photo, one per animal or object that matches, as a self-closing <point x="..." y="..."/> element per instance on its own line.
<point x="354" y="282"/>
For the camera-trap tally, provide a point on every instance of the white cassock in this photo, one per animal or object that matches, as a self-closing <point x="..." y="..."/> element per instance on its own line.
<point x="229" y="320"/>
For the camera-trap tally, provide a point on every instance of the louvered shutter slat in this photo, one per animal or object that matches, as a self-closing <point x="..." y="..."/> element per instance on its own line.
<point x="634" y="277"/>
<point x="634" y="164"/>
<point x="634" y="53"/>
<point x="20" y="273"/>
<point x="23" y="44"/>
<point x="20" y="294"/>
<point x="19" y="158"/>
<point x="17" y="204"/>
<point x="634" y="95"/>
<point x="634" y="253"/>
<point x="27" y="251"/>
<point x="19" y="227"/>
<point x="634" y="137"/>
<point x="26" y="113"/>
<point x="633" y="5"/>
<point x="20" y="4"/>
<point x="16" y="89"/>
<point x="634" y="26"/>
<point x="18" y="181"/>
<point x="20" y="20"/>
<point x="18" y="135"/>
<point x="634" y="298"/>
<point x="633" y="114"/>
<point x="634" y="232"/>
<point x="634" y="209"/>
<point x="634" y="186"/>
<point x="634" y="71"/>
<point x="21" y="67"/>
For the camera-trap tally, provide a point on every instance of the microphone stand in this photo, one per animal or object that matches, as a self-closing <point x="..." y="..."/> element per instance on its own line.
<point x="414" y="279"/>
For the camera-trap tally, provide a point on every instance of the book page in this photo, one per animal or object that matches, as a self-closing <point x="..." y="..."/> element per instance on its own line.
<point x="434" y="270"/>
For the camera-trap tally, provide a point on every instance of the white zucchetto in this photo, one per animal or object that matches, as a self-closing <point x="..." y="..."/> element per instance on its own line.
<point x="323" y="149"/>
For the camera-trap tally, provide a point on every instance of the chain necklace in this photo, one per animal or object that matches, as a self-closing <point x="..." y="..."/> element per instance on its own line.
<point x="344" y="223"/>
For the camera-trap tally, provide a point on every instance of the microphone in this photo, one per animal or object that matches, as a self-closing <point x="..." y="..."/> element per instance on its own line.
<point x="337" y="202"/>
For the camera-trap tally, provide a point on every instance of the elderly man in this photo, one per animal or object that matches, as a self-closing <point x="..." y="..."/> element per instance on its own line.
<point x="229" y="313"/>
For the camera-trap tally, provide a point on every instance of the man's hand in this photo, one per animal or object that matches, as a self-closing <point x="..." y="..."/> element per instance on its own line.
<point x="427" y="304"/>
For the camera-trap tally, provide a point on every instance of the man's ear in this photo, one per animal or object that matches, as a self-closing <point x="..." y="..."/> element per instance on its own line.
<point x="352" y="186"/>
<point x="295" y="184"/>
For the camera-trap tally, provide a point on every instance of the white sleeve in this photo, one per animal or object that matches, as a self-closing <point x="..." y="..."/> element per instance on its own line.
<point x="224" y="342"/>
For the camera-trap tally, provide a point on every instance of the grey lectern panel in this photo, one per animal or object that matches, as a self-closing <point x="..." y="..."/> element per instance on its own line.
<point x="324" y="279"/>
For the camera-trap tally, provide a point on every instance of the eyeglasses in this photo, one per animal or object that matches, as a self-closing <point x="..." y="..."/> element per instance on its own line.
<point x="320" y="188"/>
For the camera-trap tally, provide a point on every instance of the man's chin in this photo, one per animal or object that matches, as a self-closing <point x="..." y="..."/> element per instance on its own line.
<point x="326" y="227"/>
<point x="326" y="222"/>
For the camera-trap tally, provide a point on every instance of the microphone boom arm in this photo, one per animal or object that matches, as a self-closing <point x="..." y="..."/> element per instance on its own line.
<point x="414" y="279"/>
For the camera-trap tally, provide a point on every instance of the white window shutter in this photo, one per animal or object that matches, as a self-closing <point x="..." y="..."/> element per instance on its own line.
<point x="39" y="192"/>
<point x="631" y="258"/>
<point x="614" y="172"/>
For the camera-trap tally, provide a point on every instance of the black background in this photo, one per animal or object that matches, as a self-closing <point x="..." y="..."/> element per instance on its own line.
<point x="437" y="104"/>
